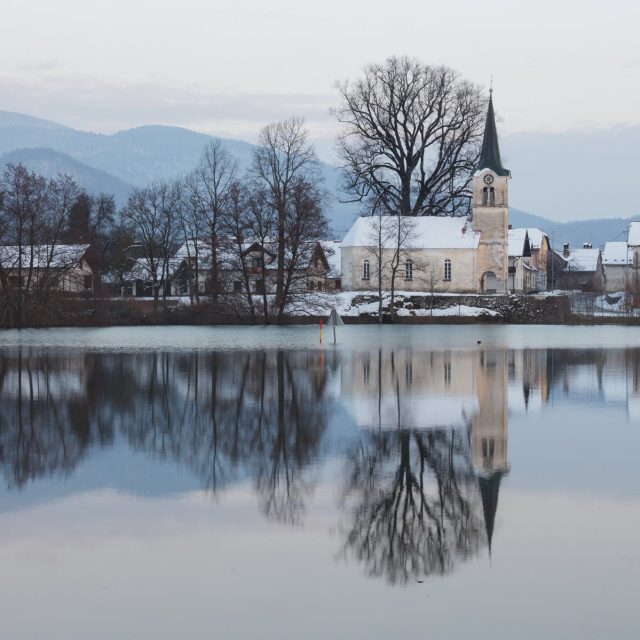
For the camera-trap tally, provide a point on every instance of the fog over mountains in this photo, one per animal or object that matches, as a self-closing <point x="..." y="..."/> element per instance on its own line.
<point x="114" y="163"/>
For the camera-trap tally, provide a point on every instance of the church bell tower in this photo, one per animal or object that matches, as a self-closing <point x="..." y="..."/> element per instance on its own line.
<point x="491" y="211"/>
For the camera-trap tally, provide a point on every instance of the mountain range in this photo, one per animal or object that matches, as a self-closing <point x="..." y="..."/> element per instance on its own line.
<point x="133" y="157"/>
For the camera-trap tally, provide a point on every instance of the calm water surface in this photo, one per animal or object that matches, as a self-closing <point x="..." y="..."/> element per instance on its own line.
<point x="440" y="482"/>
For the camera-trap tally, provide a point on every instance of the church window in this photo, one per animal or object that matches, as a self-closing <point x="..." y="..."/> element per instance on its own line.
<point x="492" y="196"/>
<point x="366" y="270"/>
<point x="447" y="269"/>
<point x="408" y="270"/>
<point x="485" y="196"/>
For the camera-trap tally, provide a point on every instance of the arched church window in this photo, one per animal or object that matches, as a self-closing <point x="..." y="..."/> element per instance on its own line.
<point x="485" y="196"/>
<point x="492" y="196"/>
<point x="408" y="270"/>
<point x="447" y="269"/>
<point x="366" y="271"/>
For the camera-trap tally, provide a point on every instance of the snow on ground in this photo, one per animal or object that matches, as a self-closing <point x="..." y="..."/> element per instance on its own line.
<point x="457" y="310"/>
<point x="345" y="305"/>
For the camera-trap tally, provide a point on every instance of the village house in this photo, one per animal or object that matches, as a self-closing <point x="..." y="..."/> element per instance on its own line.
<point x="540" y="248"/>
<point x="617" y="260"/>
<point x="523" y="277"/>
<point x="60" y="267"/>
<point x="189" y="271"/>
<point x="580" y="268"/>
<point x="439" y="254"/>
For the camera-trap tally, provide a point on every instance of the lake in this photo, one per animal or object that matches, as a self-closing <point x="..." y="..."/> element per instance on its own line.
<point x="249" y="482"/>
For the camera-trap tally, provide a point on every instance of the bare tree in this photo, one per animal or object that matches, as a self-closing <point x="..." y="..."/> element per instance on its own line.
<point x="210" y="188"/>
<point x="282" y="156"/>
<point x="34" y="215"/>
<point x="403" y="236"/>
<point x="153" y="214"/>
<point x="305" y="224"/>
<point x="411" y="136"/>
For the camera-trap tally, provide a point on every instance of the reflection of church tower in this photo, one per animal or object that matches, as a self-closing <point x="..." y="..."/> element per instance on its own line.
<point x="491" y="211"/>
<point x="490" y="431"/>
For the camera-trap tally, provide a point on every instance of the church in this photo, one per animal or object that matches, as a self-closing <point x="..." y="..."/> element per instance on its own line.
<point x="439" y="254"/>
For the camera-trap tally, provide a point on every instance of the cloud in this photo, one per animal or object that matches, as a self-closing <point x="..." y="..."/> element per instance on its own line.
<point x="85" y="103"/>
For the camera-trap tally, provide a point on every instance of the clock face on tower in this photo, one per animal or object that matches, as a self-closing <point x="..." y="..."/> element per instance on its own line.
<point x="488" y="179"/>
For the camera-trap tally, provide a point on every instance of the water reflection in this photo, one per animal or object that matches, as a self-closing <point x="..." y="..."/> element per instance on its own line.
<point x="423" y="453"/>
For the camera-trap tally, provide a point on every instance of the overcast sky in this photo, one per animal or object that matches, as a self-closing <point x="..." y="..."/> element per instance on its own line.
<point x="228" y="67"/>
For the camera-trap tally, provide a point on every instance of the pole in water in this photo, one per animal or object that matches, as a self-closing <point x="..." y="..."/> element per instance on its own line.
<point x="320" y="330"/>
<point x="334" y="334"/>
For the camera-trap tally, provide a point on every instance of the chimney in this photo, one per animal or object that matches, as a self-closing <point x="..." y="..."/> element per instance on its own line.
<point x="510" y="226"/>
<point x="565" y="249"/>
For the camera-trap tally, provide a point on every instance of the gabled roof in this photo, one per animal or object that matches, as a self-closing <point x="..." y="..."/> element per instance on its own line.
<point x="617" y="253"/>
<point x="582" y="260"/>
<point x="490" y="153"/>
<point x="332" y="253"/>
<point x="519" y="243"/>
<point x="426" y="232"/>
<point x="42" y="256"/>
<point x="536" y="237"/>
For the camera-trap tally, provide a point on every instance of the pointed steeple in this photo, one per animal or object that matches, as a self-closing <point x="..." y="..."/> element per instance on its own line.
<point x="490" y="154"/>
<point x="489" y="489"/>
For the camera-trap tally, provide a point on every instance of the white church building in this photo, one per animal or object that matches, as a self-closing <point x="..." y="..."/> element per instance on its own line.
<point x="440" y="254"/>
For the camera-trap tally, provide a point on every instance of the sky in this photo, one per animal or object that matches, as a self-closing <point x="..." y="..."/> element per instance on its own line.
<point x="228" y="67"/>
<point x="565" y="75"/>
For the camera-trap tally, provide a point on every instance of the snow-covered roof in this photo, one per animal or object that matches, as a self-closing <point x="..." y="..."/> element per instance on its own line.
<point x="583" y="260"/>
<point x="517" y="239"/>
<point x="141" y="269"/>
<point x="634" y="234"/>
<point x="536" y="237"/>
<point x="332" y="252"/>
<point x="41" y="256"/>
<point x="426" y="232"/>
<point x="617" y="253"/>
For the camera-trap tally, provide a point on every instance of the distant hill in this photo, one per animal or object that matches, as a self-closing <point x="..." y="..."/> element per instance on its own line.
<point x="50" y="163"/>
<point x="112" y="163"/>
<point x="597" y="232"/>
<point x="136" y="156"/>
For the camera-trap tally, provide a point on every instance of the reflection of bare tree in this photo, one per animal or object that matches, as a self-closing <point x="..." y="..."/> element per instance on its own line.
<point x="226" y="417"/>
<point x="46" y="426"/>
<point x="413" y="503"/>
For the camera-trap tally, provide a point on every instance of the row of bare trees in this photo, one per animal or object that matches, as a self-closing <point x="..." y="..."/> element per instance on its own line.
<point x="39" y="219"/>
<point x="217" y="215"/>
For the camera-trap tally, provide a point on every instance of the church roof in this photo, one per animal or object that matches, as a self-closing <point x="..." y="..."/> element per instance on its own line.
<point x="490" y="153"/>
<point x="425" y="232"/>
<point x="489" y="489"/>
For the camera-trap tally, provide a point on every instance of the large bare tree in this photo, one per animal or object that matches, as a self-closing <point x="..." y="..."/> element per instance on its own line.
<point x="283" y="155"/>
<point x="410" y="136"/>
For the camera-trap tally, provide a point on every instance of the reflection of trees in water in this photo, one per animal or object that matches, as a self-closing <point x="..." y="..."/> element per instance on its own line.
<point x="44" y="432"/>
<point x="413" y="503"/>
<point x="225" y="416"/>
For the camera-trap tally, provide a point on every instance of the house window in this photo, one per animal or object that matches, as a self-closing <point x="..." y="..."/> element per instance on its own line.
<point x="366" y="271"/>
<point x="237" y="286"/>
<point x="447" y="269"/>
<point x="88" y="283"/>
<point x="408" y="270"/>
<point x="311" y="285"/>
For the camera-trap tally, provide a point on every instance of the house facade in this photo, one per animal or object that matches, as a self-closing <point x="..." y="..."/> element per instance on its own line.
<point x="60" y="267"/>
<point x="617" y="261"/>
<point x="582" y="269"/>
<point x="438" y="254"/>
